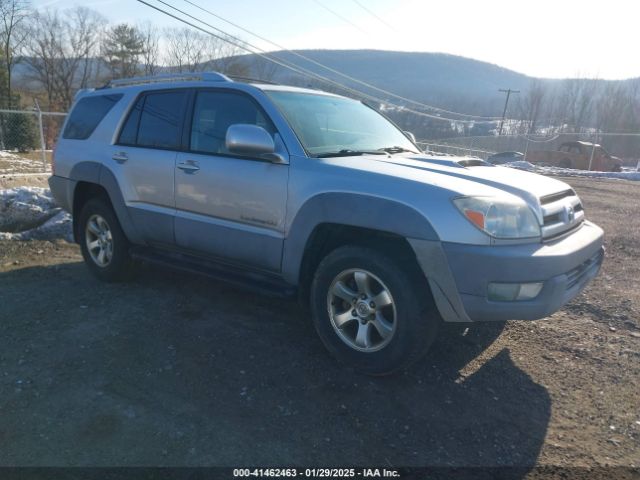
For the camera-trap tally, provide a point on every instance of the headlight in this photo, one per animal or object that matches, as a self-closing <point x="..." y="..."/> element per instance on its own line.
<point x="499" y="217"/>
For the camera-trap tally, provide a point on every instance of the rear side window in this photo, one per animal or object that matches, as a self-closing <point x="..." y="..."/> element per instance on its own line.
<point x="155" y="121"/>
<point x="87" y="114"/>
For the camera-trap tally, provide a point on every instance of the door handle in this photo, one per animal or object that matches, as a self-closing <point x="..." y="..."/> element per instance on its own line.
<point x="189" y="166"/>
<point x="120" y="157"/>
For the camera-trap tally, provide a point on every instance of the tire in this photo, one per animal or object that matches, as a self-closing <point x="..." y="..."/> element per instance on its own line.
<point x="98" y="223"/>
<point x="409" y="323"/>
<point x="565" y="163"/>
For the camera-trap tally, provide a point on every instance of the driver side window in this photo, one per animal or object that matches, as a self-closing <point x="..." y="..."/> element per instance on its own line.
<point x="215" y="112"/>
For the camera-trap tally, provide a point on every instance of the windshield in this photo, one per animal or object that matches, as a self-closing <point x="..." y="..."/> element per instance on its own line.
<point x="329" y="125"/>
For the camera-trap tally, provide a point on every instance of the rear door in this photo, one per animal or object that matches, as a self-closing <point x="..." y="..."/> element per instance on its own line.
<point x="228" y="206"/>
<point x="146" y="152"/>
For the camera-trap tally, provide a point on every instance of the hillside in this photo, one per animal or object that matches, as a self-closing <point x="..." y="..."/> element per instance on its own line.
<point x="444" y="80"/>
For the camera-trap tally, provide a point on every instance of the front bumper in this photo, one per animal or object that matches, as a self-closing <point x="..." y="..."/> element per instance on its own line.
<point x="460" y="281"/>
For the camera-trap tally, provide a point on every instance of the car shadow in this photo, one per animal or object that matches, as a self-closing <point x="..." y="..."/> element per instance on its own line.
<point x="173" y="369"/>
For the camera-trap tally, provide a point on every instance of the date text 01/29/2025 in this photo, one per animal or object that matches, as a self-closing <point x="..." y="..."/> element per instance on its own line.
<point x="315" y="473"/>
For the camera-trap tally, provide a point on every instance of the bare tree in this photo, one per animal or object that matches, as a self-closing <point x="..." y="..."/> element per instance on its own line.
<point x="223" y="55"/>
<point x="85" y="31"/>
<point x="191" y="51"/>
<point x="185" y="51"/>
<point x="59" y="51"/>
<point x="46" y="37"/>
<point x="530" y="106"/>
<point x="575" y="102"/>
<point x="150" y="48"/>
<point x="13" y="34"/>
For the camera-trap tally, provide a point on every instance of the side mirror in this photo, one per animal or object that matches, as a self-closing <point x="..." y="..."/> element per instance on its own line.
<point x="410" y="136"/>
<point x="252" y="141"/>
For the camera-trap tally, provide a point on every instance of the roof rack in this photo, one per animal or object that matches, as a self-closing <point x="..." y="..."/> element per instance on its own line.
<point x="171" y="77"/>
<point x="251" y="80"/>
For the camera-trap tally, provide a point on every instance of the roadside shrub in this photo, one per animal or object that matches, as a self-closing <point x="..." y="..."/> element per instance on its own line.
<point x="19" y="132"/>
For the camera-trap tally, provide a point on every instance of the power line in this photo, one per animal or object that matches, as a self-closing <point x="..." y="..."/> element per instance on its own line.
<point x="246" y="46"/>
<point x="337" y="15"/>
<point x="237" y="44"/>
<point x="330" y="69"/>
<point x="380" y="19"/>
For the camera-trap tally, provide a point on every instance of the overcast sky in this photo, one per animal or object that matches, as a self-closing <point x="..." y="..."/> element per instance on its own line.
<point x="559" y="38"/>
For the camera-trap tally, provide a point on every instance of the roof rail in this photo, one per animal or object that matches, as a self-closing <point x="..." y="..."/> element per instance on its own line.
<point x="171" y="77"/>
<point x="251" y="80"/>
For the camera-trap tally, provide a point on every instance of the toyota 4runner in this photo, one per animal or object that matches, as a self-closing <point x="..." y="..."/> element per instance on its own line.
<point x="301" y="192"/>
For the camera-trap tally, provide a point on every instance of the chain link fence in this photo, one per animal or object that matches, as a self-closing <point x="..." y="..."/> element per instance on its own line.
<point x="625" y="146"/>
<point x="27" y="138"/>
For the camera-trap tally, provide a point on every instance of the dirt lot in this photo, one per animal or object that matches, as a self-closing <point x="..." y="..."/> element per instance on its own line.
<point x="172" y="369"/>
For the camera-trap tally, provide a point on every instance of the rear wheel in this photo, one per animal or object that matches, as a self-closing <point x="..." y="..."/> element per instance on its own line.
<point x="104" y="246"/>
<point x="370" y="313"/>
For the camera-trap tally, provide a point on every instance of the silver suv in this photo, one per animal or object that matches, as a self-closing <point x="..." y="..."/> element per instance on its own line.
<point x="301" y="192"/>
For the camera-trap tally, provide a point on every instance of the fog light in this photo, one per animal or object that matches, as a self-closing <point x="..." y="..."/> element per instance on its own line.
<point x="509" y="292"/>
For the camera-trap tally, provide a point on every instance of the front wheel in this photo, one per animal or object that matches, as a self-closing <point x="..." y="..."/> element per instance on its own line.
<point x="369" y="312"/>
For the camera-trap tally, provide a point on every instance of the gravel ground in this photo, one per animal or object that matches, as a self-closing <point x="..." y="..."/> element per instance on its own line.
<point x="172" y="369"/>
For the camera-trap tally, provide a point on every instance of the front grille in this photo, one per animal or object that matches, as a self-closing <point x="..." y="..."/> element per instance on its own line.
<point x="576" y="276"/>
<point x="562" y="213"/>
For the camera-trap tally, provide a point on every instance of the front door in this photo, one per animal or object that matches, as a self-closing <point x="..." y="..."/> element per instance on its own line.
<point x="228" y="206"/>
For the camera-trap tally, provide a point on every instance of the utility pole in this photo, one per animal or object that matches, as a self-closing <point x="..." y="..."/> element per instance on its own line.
<point x="506" y="103"/>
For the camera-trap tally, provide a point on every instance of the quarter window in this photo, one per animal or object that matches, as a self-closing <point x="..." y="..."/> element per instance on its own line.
<point x="87" y="114"/>
<point x="215" y="112"/>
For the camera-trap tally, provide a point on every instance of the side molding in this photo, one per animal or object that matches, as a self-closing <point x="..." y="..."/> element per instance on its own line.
<point x="353" y="210"/>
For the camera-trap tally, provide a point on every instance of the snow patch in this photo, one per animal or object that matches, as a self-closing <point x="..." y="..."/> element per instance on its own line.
<point x="31" y="213"/>
<point x="626" y="174"/>
<point x="11" y="163"/>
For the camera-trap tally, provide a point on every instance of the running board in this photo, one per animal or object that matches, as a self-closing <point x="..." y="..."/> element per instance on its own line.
<point x="255" y="281"/>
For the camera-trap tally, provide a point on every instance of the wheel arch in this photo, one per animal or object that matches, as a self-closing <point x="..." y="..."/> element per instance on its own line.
<point x="92" y="179"/>
<point x="329" y="220"/>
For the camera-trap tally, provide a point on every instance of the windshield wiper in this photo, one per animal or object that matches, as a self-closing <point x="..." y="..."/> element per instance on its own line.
<point x="396" y="150"/>
<point x="349" y="153"/>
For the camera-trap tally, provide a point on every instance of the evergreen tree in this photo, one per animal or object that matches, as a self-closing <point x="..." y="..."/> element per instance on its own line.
<point x="21" y="133"/>
<point x="122" y="48"/>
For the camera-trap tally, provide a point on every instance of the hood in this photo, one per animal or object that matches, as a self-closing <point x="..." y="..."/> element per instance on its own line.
<point x="526" y="185"/>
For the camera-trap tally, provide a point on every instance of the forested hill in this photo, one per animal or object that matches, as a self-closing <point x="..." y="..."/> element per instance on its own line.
<point x="449" y="81"/>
